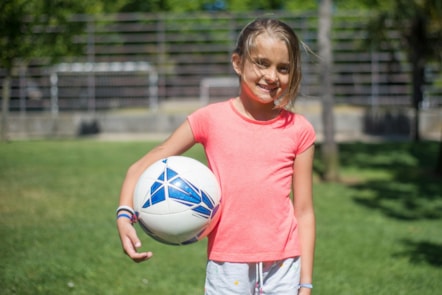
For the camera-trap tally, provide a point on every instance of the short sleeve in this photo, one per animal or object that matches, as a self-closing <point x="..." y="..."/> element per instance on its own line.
<point x="306" y="134"/>
<point x="199" y="123"/>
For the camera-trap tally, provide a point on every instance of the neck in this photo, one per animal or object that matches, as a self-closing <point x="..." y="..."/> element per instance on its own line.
<point x="255" y="110"/>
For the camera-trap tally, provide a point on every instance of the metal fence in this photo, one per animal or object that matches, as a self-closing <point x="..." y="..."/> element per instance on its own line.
<point x="140" y="60"/>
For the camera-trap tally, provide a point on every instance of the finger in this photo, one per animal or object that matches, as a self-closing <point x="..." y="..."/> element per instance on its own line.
<point x="139" y="256"/>
<point x="142" y="256"/>
<point x="130" y="250"/>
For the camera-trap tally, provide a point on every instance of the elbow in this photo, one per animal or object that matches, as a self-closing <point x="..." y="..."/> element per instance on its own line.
<point x="135" y="170"/>
<point x="305" y="214"/>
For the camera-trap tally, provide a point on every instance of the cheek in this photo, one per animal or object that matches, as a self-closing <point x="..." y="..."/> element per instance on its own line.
<point x="284" y="81"/>
<point x="255" y="74"/>
<point x="250" y="70"/>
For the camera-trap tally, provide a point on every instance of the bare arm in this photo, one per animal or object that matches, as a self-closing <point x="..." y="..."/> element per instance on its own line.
<point x="304" y="212"/>
<point x="180" y="141"/>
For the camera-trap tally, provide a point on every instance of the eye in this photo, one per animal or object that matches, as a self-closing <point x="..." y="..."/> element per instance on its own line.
<point x="262" y="63"/>
<point x="284" y="69"/>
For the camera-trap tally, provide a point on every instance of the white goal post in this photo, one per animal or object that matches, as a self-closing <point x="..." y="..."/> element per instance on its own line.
<point x="105" y="67"/>
<point x="214" y="82"/>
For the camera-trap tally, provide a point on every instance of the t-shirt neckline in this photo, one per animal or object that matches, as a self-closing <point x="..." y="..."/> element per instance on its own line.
<point x="266" y="122"/>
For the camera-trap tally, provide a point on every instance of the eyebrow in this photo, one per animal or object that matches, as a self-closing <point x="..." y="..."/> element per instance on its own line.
<point x="258" y="58"/>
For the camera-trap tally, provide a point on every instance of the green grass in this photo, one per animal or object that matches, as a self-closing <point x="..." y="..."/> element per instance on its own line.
<point x="379" y="231"/>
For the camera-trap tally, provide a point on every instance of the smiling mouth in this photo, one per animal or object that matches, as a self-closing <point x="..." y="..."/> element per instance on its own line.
<point x="268" y="88"/>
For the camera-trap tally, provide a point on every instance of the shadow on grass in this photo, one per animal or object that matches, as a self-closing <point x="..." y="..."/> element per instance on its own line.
<point x="408" y="189"/>
<point x="422" y="252"/>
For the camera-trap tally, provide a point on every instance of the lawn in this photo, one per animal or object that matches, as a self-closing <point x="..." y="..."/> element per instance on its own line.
<point x="379" y="230"/>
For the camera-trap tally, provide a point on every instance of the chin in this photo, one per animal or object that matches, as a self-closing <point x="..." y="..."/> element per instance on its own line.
<point x="266" y="100"/>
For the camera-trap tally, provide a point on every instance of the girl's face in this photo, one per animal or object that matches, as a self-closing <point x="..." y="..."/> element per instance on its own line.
<point x="265" y="76"/>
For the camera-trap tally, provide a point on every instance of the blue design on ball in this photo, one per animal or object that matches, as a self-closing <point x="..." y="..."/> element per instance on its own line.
<point x="170" y="185"/>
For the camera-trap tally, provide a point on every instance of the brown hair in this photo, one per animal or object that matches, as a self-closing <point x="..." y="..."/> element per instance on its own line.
<point x="280" y="30"/>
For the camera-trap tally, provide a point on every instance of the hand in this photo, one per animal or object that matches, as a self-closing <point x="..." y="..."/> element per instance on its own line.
<point x="130" y="241"/>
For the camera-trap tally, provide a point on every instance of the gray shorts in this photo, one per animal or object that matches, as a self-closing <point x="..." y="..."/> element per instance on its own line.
<point x="276" y="278"/>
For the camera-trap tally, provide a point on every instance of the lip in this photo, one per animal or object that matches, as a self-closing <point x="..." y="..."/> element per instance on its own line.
<point x="268" y="88"/>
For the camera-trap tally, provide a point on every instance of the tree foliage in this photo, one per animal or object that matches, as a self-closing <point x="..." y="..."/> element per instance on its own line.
<point x="416" y="20"/>
<point x="208" y="5"/>
<point x="419" y="24"/>
<point x="35" y="28"/>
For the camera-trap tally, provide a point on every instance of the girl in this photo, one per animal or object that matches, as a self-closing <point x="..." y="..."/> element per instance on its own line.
<point x="260" y="153"/>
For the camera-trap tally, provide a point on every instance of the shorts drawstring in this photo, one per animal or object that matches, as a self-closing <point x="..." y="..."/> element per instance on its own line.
<point x="259" y="278"/>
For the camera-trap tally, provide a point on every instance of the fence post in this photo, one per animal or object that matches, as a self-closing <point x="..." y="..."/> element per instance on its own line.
<point x="374" y="80"/>
<point x="91" y="60"/>
<point x="161" y="48"/>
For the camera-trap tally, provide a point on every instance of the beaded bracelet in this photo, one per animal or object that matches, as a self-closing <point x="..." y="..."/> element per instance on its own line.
<point x="307" y="286"/>
<point x="133" y="218"/>
<point x="125" y="216"/>
<point x="125" y="208"/>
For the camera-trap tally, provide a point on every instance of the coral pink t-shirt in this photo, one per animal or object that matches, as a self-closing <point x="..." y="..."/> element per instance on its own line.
<point x="253" y="161"/>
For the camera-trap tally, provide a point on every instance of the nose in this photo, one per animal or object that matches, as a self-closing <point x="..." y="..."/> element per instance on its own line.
<point x="271" y="75"/>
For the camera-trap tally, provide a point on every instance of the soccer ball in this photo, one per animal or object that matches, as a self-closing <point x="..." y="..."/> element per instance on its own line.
<point x="177" y="200"/>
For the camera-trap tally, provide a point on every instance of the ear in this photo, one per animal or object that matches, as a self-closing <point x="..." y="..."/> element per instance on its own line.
<point x="236" y="63"/>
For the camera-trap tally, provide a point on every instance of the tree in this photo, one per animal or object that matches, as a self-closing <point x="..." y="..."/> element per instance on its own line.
<point x="438" y="169"/>
<point x="419" y="23"/>
<point x="329" y="148"/>
<point x="31" y="29"/>
<point x="207" y="5"/>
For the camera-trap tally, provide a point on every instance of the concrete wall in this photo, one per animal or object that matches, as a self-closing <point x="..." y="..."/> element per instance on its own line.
<point x="351" y="123"/>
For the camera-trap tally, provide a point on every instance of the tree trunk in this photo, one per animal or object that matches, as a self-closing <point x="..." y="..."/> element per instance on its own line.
<point x="4" y="136"/>
<point x="418" y="80"/>
<point x="329" y="149"/>
<point x="417" y="42"/>
<point x="438" y="169"/>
